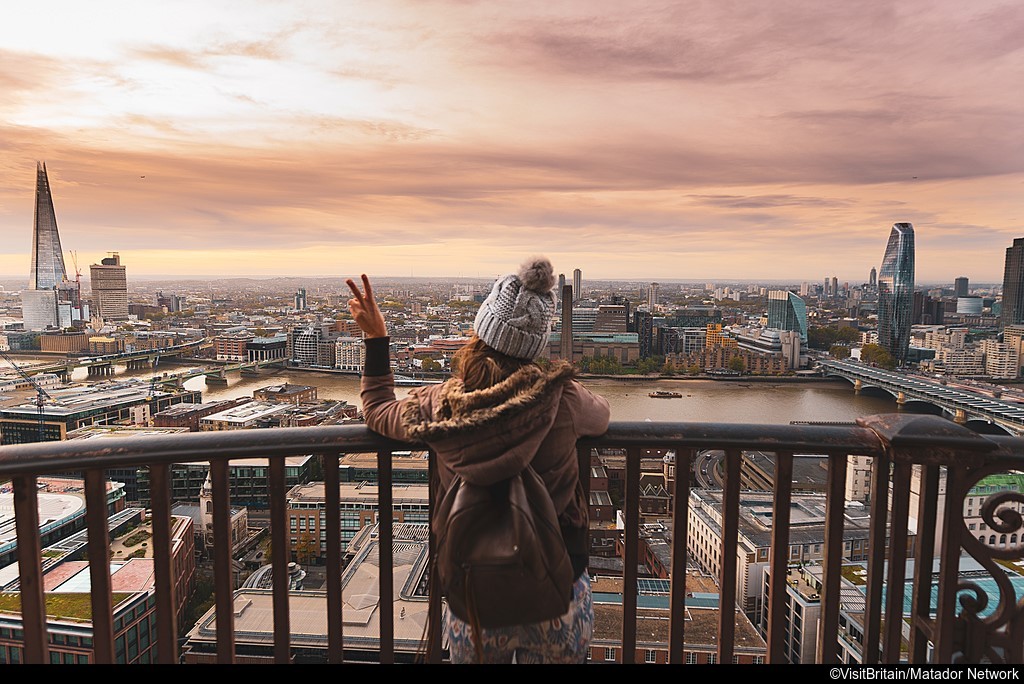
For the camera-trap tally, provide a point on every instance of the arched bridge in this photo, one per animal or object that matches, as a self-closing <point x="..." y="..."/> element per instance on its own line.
<point x="974" y="409"/>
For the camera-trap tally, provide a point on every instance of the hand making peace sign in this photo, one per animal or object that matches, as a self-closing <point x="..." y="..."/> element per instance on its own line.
<point x="364" y="310"/>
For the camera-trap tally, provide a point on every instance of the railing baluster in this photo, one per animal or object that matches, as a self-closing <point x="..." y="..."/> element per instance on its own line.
<point x="30" y="571"/>
<point x="166" y="608"/>
<point x="919" y="440"/>
<point x="434" y="599"/>
<point x="877" y="542"/>
<point x="779" y="559"/>
<point x="332" y="526"/>
<point x="949" y="564"/>
<point x="280" y="551"/>
<point x="385" y="551"/>
<point x="835" y="511"/>
<point x="680" y="550"/>
<point x="895" y="587"/>
<point x="222" y="570"/>
<point x="730" y="539"/>
<point x="630" y="544"/>
<point x="922" y="625"/>
<point x="99" y="566"/>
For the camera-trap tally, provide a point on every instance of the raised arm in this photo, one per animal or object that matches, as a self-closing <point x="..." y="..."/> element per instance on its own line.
<point x="365" y="311"/>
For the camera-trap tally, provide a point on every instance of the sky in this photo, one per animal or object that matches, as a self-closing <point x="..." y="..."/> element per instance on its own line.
<point x="708" y="140"/>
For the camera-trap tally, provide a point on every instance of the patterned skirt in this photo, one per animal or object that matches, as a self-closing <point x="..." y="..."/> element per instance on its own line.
<point x="563" y="640"/>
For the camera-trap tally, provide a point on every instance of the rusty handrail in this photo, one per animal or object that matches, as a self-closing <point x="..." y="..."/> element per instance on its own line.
<point x="893" y="441"/>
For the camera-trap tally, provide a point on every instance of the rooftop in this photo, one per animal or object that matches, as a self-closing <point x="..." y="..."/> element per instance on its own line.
<point x="245" y="413"/>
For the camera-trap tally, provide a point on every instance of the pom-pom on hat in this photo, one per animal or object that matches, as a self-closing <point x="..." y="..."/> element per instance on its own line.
<point x="515" y="319"/>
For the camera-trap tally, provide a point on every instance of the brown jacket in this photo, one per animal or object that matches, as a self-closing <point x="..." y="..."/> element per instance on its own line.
<point x="534" y="415"/>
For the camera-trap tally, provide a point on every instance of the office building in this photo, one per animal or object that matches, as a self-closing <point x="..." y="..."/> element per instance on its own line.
<point x="873" y="277"/>
<point x="61" y="504"/>
<point x="107" y="403"/>
<point x="189" y="415"/>
<point x="1013" y="285"/>
<point x="643" y="324"/>
<point x="286" y="393"/>
<point x="232" y="346"/>
<point x="267" y="348"/>
<point x="772" y="342"/>
<point x="109" y="288"/>
<point x="896" y="293"/>
<point x="623" y="347"/>
<point x="786" y="311"/>
<point x="1001" y="359"/>
<point x="612" y="318"/>
<point x="254" y="608"/>
<point x="577" y="285"/>
<point x="300" y="299"/>
<point x="48" y="285"/>
<point x="652" y="295"/>
<point x="69" y="627"/>
<point x="350" y="354"/>
<point x="806" y="542"/>
<point x="307" y="521"/>
<point x="969" y="305"/>
<point x="960" y="287"/>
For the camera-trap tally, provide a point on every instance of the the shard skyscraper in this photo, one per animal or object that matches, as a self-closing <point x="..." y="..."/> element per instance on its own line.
<point x="896" y="293"/>
<point x="48" y="281"/>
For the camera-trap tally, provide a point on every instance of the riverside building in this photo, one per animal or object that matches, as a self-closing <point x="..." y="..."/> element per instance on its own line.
<point x="896" y="293"/>
<point x="109" y="288"/>
<point x="113" y="403"/>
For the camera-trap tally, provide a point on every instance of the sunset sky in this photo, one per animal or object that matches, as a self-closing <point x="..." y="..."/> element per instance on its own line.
<point x="708" y="140"/>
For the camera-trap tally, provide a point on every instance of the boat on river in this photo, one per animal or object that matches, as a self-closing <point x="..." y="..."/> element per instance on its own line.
<point x="664" y="394"/>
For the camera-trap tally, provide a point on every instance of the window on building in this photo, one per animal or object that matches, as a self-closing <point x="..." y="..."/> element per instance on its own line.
<point x="609" y="654"/>
<point x="712" y="658"/>
<point x="691" y="658"/>
<point x="650" y="656"/>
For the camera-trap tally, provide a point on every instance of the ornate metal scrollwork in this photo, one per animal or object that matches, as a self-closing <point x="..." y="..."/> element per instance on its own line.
<point x="993" y="635"/>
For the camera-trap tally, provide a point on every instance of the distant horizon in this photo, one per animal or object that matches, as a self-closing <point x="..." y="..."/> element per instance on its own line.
<point x="623" y="138"/>
<point x="7" y="279"/>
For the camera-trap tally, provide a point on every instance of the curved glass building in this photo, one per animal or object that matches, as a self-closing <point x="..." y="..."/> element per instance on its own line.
<point x="786" y="311"/>
<point x="896" y="292"/>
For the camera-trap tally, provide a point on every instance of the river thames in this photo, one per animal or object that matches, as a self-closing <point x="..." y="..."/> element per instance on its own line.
<point x="735" y="401"/>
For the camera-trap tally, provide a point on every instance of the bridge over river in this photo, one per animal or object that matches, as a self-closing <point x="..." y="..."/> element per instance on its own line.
<point x="986" y="413"/>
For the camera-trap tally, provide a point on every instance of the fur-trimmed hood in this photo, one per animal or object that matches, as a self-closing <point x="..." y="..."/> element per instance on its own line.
<point x="489" y="434"/>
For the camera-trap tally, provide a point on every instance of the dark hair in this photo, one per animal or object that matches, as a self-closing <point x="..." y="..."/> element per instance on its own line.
<point x="479" y="366"/>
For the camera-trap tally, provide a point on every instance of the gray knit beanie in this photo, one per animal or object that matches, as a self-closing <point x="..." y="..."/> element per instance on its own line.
<point x="515" y="319"/>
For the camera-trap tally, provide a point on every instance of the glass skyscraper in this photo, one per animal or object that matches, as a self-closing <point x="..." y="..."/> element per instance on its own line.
<point x="896" y="292"/>
<point x="41" y="301"/>
<point x="1013" y="285"/>
<point x="786" y="311"/>
<point x="47" y="258"/>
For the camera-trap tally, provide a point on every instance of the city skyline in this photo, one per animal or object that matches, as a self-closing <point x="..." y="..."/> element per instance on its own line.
<point x="452" y="139"/>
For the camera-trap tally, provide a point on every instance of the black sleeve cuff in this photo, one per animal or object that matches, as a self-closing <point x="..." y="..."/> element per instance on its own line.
<point x="378" y="356"/>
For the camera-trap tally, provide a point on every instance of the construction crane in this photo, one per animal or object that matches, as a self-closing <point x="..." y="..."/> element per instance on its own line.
<point x="78" y="284"/>
<point x="41" y="395"/>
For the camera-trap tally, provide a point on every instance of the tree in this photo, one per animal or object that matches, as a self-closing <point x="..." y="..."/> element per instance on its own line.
<point x="878" y="355"/>
<point x="738" y="364"/>
<point x="839" y="351"/>
<point x="430" y="366"/>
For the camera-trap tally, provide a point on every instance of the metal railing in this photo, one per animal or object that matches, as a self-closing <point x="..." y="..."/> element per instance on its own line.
<point x="956" y="625"/>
